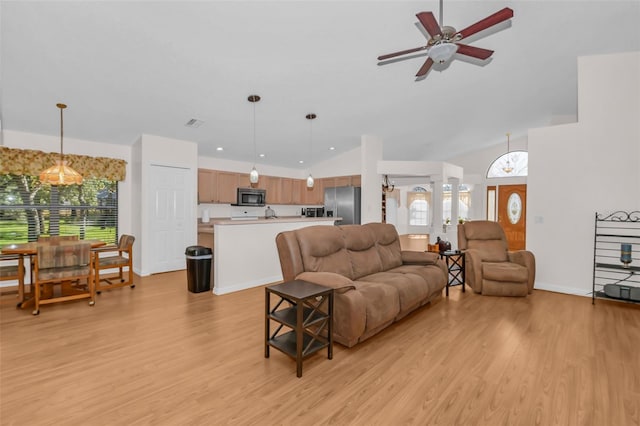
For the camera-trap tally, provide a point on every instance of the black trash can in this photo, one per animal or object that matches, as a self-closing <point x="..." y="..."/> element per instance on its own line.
<point x="198" y="268"/>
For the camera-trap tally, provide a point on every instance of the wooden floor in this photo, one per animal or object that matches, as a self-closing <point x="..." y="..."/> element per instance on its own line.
<point x="161" y="355"/>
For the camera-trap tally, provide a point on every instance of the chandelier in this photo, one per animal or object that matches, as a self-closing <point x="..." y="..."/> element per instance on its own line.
<point x="508" y="168"/>
<point x="60" y="173"/>
<point x="386" y="186"/>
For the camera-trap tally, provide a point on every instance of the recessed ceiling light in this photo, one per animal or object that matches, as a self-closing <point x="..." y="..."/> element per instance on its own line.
<point x="301" y="161"/>
<point x="194" y="122"/>
<point x="261" y="155"/>
<point x="332" y="148"/>
<point x="219" y="148"/>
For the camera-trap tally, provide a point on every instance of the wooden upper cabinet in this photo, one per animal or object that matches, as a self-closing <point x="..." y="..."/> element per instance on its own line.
<point x="243" y="181"/>
<point x="207" y="186"/>
<point x="298" y="191"/>
<point x="272" y="186"/>
<point x="227" y="187"/>
<point x="342" y="181"/>
<point x="315" y="195"/>
<point x="286" y="191"/>
<point x="215" y="186"/>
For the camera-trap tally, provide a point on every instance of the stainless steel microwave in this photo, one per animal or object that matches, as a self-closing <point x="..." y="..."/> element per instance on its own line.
<point x="251" y="197"/>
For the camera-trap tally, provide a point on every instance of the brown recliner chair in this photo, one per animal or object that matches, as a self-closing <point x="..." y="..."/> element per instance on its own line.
<point x="490" y="269"/>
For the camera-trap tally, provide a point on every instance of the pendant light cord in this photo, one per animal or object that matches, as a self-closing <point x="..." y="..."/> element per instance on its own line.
<point x="255" y="147"/>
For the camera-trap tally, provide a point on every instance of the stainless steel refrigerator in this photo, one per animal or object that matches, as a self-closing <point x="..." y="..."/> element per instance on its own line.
<point x="344" y="202"/>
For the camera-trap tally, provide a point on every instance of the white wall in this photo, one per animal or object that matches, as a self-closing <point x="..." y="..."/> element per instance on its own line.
<point x="156" y="150"/>
<point x="576" y="170"/>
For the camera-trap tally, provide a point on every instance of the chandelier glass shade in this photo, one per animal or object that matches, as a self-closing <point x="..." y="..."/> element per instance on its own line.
<point x="442" y="52"/>
<point x="60" y="173"/>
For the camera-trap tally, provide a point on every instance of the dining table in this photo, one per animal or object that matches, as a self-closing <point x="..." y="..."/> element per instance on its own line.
<point x="30" y="249"/>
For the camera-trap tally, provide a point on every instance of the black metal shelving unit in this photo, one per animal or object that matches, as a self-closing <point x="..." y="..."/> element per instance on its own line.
<point x="610" y="232"/>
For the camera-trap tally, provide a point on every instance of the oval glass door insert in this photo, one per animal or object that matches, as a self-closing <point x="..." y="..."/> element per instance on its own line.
<point x="514" y="208"/>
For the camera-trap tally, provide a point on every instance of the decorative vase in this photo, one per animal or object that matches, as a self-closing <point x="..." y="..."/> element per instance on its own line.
<point x="625" y="254"/>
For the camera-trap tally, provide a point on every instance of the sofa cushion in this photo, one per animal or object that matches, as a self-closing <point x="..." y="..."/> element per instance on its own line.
<point x="490" y="250"/>
<point x="361" y="246"/>
<point x="433" y="277"/>
<point x="387" y="244"/>
<point x="323" y="249"/>
<point x="382" y="303"/>
<point x="412" y="289"/>
<point x="505" y="272"/>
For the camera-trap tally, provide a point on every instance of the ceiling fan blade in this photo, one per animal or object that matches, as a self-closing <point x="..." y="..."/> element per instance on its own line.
<point x="487" y="22"/>
<point x="402" y="52"/>
<point x="425" y="67"/>
<point x="475" y="52"/>
<point x="429" y="23"/>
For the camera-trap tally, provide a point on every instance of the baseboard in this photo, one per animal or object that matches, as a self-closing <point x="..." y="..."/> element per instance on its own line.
<point x="562" y="289"/>
<point x="243" y="286"/>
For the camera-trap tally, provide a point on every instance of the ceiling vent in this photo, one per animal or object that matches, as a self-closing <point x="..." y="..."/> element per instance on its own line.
<point x="194" y="122"/>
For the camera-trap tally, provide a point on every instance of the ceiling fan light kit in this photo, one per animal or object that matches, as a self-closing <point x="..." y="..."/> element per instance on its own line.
<point x="443" y="41"/>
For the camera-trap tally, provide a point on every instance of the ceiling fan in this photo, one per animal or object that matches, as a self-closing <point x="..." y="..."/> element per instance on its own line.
<point x="443" y="43"/>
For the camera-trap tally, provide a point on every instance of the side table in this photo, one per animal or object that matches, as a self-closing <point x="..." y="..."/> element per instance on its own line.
<point x="303" y="317"/>
<point x="455" y="266"/>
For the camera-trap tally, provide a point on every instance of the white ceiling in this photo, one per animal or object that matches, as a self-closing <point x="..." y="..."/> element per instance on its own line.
<point x="128" y="68"/>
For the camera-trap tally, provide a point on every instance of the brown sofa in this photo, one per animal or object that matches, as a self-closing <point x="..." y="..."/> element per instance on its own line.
<point x="490" y="269"/>
<point x="376" y="283"/>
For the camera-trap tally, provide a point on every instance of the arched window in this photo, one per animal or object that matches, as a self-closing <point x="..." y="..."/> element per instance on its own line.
<point x="464" y="202"/>
<point x="418" y="201"/>
<point x="514" y="163"/>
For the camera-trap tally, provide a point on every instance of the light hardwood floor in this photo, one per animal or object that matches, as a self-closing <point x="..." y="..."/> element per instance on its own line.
<point x="161" y="355"/>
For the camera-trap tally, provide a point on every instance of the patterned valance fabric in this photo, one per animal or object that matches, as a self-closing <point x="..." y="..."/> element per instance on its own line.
<point x="31" y="162"/>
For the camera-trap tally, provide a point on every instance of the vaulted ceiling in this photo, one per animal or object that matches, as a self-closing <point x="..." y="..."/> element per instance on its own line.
<point x="128" y="68"/>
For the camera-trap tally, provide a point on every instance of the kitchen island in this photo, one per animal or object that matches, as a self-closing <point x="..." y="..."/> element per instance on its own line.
<point x="245" y="253"/>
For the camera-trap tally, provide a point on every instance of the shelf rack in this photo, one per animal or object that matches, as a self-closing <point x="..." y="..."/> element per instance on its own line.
<point x="610" y="232"/>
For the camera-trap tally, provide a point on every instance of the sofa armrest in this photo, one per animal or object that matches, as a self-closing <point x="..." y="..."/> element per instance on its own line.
<point x="528" y="260"/>
<point x="419" y="257"/>
<point x="339" y="283"/>
<point x="473" y="269"/>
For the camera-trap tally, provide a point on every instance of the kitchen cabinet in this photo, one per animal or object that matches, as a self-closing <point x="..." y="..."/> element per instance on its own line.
<point x="242" y="181"/>
<point x="315" y="195"/>
<point x="286" y="191"/>
<point x="298" y="192"/>
<point x="272" y="185"/>
<point x="207" y="186"/>
<point x="217" y="186"/>
<point x="227" y="187"/>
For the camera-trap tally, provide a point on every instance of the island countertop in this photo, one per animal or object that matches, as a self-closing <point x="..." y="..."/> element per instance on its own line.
<point x="208" y="227"/>
<point x="245" y="252"/>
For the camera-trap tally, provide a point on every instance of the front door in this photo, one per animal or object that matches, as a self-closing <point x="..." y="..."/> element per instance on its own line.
<point x="512" y="208"/>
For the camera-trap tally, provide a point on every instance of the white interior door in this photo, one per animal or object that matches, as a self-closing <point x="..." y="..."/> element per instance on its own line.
<point x="170" y="210"/>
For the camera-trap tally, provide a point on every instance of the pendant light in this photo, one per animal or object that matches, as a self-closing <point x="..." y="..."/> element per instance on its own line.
<point x="386" y="185"/>
<point x="310" y="117"/>
<point x="254" y="176"/>
<point x="508" y="168"/>
<point x="60" y="173"/>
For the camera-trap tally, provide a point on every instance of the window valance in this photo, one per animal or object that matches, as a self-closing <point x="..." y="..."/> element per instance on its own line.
<point x="32" y="162"/>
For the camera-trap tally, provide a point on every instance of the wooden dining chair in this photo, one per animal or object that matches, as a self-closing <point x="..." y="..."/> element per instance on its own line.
<point x="67" y="263"/>
<point x="114" y="257"/>
<point x="12" y="269"/>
